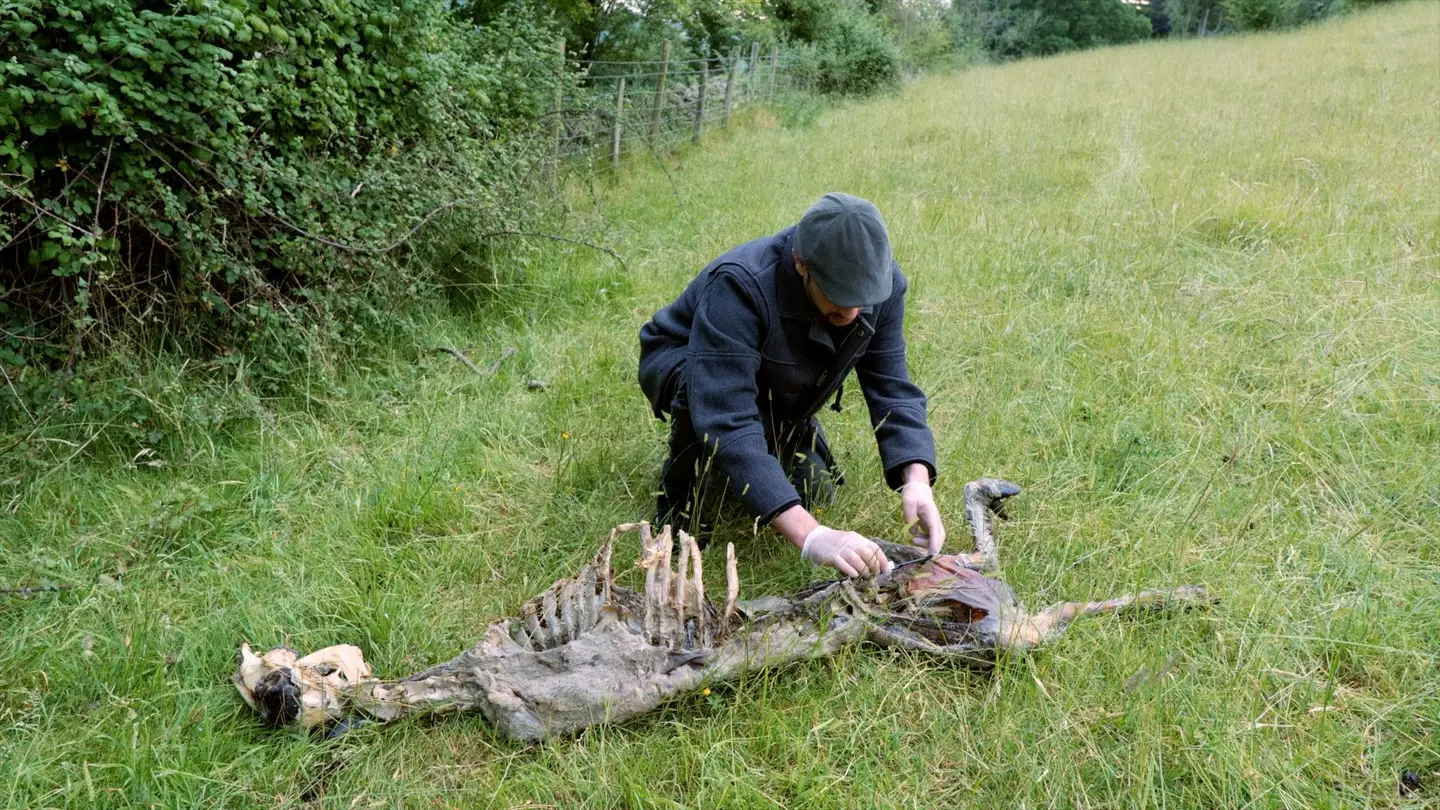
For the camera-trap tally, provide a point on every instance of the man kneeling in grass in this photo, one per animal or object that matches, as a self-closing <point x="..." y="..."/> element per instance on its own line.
<point x="747" y="356"/>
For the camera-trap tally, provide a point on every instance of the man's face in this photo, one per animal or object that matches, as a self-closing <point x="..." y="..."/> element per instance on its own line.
<point x="836" y="315"/>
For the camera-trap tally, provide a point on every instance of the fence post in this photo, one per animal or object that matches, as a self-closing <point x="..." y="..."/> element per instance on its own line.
<point x="754" y="64"/>
<point x="660" y="95"/>
<point x="700" y="105"/>
<point x="730" y="87"/>
<point x="774" y="58"/>
<point x="557" y="128"/>
<point x="619" y="111"/>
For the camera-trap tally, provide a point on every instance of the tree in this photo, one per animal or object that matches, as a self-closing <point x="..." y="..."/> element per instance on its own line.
<point x="1070" y="24"/>
<point x="1193" y="17"/>
<point x="1159" y="20"/>
<point x="1262" y="15"/>
<point x="853" y="53"/>
<point x="918" y="27"/>
<point x="1012" y="28"/>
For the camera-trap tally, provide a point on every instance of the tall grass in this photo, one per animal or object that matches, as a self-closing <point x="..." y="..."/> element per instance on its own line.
<point x="1187" y="294"/>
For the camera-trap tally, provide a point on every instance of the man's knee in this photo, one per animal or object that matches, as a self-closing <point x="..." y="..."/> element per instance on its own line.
<point x="686" y="472"/>
<point x="814" y="479"/>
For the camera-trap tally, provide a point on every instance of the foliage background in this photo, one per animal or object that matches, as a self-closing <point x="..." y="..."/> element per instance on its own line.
<point x="228" y="183"/>
<point x="254" y="190"/>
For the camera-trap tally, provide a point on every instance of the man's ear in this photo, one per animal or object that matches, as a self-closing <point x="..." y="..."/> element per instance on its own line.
<point x="799" y="265"/>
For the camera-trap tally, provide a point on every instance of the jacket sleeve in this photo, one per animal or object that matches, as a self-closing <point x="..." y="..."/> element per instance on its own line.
<point x="723" y="361"/>
<point x="897" y="405"/>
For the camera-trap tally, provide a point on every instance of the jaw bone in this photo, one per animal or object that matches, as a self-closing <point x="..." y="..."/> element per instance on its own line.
<point x="588" y="651"/>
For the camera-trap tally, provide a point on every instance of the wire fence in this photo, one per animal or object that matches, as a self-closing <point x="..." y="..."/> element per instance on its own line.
<point x="613" y="108"/>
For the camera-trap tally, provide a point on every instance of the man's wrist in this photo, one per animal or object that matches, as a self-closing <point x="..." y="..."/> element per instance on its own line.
<point x="795" y="524"/>
<point x="916" y="473"/>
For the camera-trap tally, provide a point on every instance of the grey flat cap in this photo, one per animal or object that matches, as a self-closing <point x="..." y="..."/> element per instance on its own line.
<point x="843" y="242"/>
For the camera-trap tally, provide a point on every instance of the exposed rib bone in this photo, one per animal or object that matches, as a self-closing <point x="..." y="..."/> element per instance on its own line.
<point x="595" y="602"/>
<point x="664" y="577"/>
<point x="520" y="636"/>
<point x="549" y="619"/>
<point x="569" y="626"/>
<point x="649" y="559"/>
<point x="607" y="576"/>
<point x="586" y="607"/>
<point x="664" y="611"/>
<point x="699" y="583"/>
<point x="681" y="582"/>
<point x="732" y="586"/>
<point x="532" y="625"/>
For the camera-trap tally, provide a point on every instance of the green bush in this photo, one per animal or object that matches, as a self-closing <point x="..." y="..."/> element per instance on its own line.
<point x="236" y="180"/>
<point x="1018" y="28"/>
<point x="1187" y="16"/>
<point x="1262" y="15"/>
<point x="1071" y="24"/>
<point x="852" y="54"/>
<point x="919" y="30"/>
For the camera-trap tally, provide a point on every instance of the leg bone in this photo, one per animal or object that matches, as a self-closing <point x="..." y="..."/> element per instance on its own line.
<point x="981" y="498"/>
<point x="1050" y="623"/>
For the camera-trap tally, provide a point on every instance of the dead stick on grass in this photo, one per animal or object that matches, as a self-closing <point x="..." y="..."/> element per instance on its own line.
<point x="494" y="367"/>
<point x="27" y="590"/>
<point x="567" y="240"/>
<point x="405" y="238"/>
<point x="456" y="353"/>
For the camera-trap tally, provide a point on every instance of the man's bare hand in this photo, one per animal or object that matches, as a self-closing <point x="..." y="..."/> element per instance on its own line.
<point x="922" y="516"/>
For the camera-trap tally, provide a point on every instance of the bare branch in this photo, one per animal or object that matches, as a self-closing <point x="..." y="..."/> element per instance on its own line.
<point x="552" y="237"/>
<point x="28" y="590"/>
<point x="495" y="366"/>
<point x="100" y="187"/>
<point x="454" y="352"/>
<point x="425" y="220"/>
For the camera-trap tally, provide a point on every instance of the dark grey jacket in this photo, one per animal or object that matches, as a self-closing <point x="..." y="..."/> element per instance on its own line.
<point x="748" y="339"/>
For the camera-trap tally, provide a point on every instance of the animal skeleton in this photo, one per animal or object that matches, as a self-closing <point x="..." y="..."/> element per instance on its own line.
<point x="589" y="651"/>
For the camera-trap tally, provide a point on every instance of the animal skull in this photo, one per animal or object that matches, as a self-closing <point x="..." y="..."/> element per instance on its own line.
<point x="285" y="688"/>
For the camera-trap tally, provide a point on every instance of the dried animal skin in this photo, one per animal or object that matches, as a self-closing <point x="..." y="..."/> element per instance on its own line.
<point x="588" y="651"/>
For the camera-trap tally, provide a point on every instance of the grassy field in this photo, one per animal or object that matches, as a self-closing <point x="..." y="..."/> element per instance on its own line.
<point x="1186" y="293"/>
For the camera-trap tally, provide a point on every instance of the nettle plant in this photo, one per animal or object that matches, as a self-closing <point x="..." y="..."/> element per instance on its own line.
<point x="234" y="178"/>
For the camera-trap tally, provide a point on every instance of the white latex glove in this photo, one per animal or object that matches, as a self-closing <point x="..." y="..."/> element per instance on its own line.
<point x="917" y="503"/>
<point x="849" y="553"/>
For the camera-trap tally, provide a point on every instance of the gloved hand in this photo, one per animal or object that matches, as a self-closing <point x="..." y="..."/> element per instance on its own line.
<point x="917" y="504"/>
<point x="851" y="554"/>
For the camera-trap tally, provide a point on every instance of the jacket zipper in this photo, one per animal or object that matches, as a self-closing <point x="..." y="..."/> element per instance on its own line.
<point x="844" y="362"/>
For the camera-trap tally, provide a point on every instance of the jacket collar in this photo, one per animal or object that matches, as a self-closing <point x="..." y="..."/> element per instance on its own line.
<point x="794" y="304"/>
